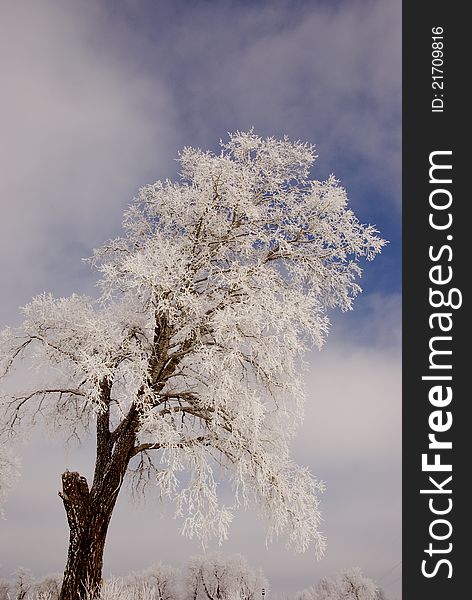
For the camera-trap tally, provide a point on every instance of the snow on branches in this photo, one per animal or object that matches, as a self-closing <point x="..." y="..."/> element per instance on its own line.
<point x="218" y="285"/>
<point x="349" y="584"/>
<point x="217" y="577"/>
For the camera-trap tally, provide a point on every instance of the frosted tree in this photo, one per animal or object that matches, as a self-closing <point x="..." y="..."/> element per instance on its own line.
<point x="350" y="584"/>
<point x="47" y="588"/>
<point x="218" y="577"/>
<point x="190" y="359"/>
<point x="160" y="582"/>
<point x="5" y="589"/>
<point x="23" y="584"/>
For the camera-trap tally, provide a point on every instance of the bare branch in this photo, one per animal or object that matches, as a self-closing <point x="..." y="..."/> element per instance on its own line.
<point x="14" y="355"/>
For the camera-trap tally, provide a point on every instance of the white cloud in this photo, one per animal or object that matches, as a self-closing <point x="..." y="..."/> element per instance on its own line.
<point x="329" y="71"/>
<point x="354" y="408"/>
<point x="81" y="129"/>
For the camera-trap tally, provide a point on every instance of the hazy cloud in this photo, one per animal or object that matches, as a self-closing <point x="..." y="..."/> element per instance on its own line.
<point x="81" y="129"/>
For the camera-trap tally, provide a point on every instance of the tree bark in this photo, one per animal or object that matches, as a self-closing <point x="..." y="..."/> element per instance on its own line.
<point x="88" y="525"/>
<point x="89" y="511"/>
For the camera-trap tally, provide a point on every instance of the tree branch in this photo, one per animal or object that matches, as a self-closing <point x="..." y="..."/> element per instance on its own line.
<point x="202" y="440"/>
<point x="21" y="400"/>
<point x="16" y="352"/>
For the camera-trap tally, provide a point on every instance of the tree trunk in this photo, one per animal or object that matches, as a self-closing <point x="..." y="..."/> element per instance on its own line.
<point x="88" y="525"/>
<point x="89" y="512"/>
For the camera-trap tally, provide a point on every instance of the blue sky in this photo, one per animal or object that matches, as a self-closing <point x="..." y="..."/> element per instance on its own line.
<point x="98" y="99"/>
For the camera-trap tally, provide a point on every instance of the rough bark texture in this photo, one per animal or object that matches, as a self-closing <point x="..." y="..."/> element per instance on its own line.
<point x="89" y="511"/>
<point x="87" y="528"/>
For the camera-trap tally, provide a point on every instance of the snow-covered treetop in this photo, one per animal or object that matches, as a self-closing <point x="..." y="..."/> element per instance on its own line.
<point x="218" y="285"/>
<point x="218" y="577"/>
<point x="349" y="584"/>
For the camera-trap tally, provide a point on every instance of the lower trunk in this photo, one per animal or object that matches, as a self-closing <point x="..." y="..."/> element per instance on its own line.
<point x="88" y="524"/>
<point x="89" y="512"/>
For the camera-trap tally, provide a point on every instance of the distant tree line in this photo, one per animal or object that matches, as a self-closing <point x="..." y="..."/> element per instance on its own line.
<point x="212" y="577"/>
